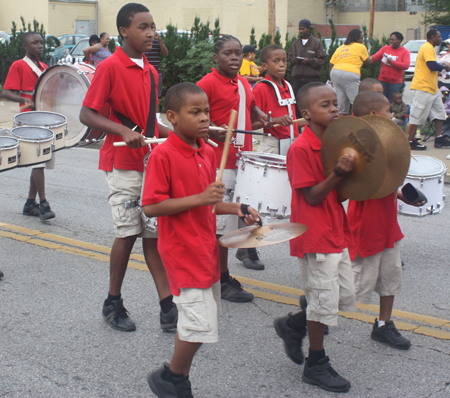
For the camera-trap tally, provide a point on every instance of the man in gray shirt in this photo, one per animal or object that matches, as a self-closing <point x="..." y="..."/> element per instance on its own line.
<point x="307" y="58"/>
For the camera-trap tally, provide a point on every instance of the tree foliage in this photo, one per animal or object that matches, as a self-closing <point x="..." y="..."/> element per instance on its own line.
<point x="437" y="12"/>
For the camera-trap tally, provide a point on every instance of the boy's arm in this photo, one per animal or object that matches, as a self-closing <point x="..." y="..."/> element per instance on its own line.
<point x="13" y="96"/>
<point x="252" y="217"/>
<point x="403" y="111"/>
<point x="93" y="119"/>
<point x="257" y="115"/>
<point x="316" y="194"/>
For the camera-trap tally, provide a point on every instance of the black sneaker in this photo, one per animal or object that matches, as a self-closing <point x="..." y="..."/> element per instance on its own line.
<point x="324" y="376"/>
<point x="232" y="290"/>
<point x="416" y="145"/>
<point x="303" y="304"/>
<point x="169" y="389"/>
<point x="31" y="210"/>
<point x="292" y="339"/>
<point x="390" y="335"/>
<point x="250" y="258"/>
<point x="441" y="141"/>
<point x="117" y="316"/>
<point x="45" y="211"/>
<point x="169" y="320"/>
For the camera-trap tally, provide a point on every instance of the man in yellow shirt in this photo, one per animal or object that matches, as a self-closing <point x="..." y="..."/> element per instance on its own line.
<point x="427" y="99"/>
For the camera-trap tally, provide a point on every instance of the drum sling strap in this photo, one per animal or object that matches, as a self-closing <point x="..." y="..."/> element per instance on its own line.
<point x="35" y="69"/>
<point x="151" y="121"/>
<point x="284" y="102"/>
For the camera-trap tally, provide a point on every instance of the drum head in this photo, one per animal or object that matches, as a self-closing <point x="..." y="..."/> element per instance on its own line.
<point x="62" y="89"/>
<point x="29" y="133"/>
<point x="425" y="166"/>
<point x="8" y="143"/>
<point x="40" y="119"/>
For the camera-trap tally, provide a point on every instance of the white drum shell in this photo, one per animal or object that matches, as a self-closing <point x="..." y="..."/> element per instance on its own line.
<point x="59" y="129"/>
<point x="9" y="156"/>
<point x="263" y="183"/>
<point x="35" y="149"/>
<point x="430" y="181"/>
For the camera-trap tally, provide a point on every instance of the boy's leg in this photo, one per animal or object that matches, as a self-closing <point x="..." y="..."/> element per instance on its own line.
<point x="37" y="184"/>
<point x="386" y="305"/>
<point x="182" y="356"/>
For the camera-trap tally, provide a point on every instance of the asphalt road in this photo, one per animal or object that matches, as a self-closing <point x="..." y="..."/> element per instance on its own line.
<point x="54" y="342"/>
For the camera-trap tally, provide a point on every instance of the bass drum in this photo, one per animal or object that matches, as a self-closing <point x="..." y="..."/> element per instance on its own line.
<point x="62" y="89"/>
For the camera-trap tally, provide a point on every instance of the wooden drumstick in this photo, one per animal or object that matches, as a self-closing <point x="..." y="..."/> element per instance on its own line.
<point x="159" y="140"/>
<point x="294" y="121"/>
<point x="226" y="147"/>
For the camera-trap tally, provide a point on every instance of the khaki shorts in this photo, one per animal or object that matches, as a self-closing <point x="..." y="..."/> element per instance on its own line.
<point x="380" y="273"/>
<point x="328" y="284"/>
<point x="198" y="314"/>
<point x="50" y="165"/>
<point x="426" y="105"/>
<point x="125" y="186"/>
<point x="270" y="145"/>
<point x="227" y="222"/>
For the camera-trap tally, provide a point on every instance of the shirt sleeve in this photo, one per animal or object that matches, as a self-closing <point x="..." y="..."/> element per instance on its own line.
<point x="100" y="89"/>
<point x="378" y="55"/>
<point x="13" y="79"/>
<point x="245" y="69"/>
<point x="402" y="63"/>
<point x="428" y="53"/>
<point x="301" y="175"/>
<point x="157" y="179"/>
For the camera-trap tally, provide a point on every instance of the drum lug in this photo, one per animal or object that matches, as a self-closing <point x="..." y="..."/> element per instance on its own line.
<point x="431" y="209"/>
<point x="421" y="182"/>
<point x="53" y="147"/>
<point x="443" y="198"/>
<point x="66" y="131"/>
<point x="284" y="210"/>
<point x="0" y="160"/>
<point x="400" y="205"/>
<point x="265" y="170"/>
<point x="259" y="207"/>
<point x="238" y="199"/>
<point x="80" y="72"/>
<point x="38" y="150"/>
<point x="440" y="180"/>
<point x="272" y="210"/>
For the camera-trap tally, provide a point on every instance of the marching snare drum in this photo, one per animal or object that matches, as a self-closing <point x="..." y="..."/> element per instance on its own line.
<point x="427" y="175"/>
<point x="49" y="120"/>
<point x="263" y="182"/>
<point x="35" y="144"/>
<point x="9" y="157"/>
<point x="62" y="89"/>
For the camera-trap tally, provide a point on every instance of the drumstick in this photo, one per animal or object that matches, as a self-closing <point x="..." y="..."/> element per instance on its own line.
<point x="157" y="141"/>
<point x="294" y="121"/>
<point x="414" y="158"/>
<point x="226" y="148"/>
<point x="215" y="128"/>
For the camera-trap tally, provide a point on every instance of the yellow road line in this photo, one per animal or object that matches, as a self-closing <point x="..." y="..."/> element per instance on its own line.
<point x="101" y="253"/>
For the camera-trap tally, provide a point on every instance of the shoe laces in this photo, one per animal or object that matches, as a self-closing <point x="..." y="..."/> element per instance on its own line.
<point x="394" y="330"/>
<point x="235" y="283"/>
<point x="121" y="312"/>
<point x="253" y="254"/>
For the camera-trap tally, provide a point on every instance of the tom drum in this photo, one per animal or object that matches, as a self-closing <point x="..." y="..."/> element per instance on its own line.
<point x="35" y="144"/>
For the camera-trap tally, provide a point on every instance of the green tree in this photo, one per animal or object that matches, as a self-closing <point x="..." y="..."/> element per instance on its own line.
<point x="334" y="44"/>
<point x="253" y="38"/>
<point x="437" y="12"/>
<point x="197" y="63"/>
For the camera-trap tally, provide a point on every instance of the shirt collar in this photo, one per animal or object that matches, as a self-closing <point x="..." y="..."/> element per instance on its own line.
<point x="224" y="79"/>
<point x="315" y="143"/>
<point x="283" y="87"/>
<point x="126" y="60"/>
<point x="185" y="149"/>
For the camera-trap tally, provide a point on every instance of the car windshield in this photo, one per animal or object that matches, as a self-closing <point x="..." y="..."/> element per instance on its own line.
<point x="77" y="51"/>
<point x="414" y="46"/>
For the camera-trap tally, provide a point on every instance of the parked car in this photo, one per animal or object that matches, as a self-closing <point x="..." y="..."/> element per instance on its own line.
<point x="76" y="54"/>
<point x="3" y="34"/>
<point x="70" y="40"/>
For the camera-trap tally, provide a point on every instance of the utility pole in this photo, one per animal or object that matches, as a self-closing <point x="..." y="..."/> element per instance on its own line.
<point x="272" y="19"/>
<point x="372" y="16"/>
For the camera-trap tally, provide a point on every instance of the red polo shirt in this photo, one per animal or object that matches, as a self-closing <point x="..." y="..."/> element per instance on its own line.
<point x="328" y="230"/>
<point x="22" y="78"/>
<point x="374" y="226"/>
<point x="187" y="241"/>
<point x="266" y="100"/>
<point x="223" y="96"/>
<point x="125" y="86"/>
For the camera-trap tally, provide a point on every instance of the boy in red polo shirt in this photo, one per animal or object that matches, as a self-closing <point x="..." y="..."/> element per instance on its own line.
<point x="227" y="90"/>
<point x="375" y="250"/>
<point x="274" y="60"/>
<point x="181" y="189"/>
<point x="322" y="251"/>
<point x="124" y="81"/>
<point x="22" y="77"/>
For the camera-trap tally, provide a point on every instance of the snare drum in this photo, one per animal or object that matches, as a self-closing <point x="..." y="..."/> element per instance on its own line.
<point x="49" y="120"/>
<point x="263" y="183"/>
<point x="427" y="175"/>
<point x="62" y="89"/>
<point x="9" y="157"/>
<point x="35" y="144"/>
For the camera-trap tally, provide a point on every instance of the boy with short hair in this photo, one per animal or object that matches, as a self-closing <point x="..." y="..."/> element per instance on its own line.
<point x="22" y="77"/>
<point x="398" y="108"/>
<point x="371" y="85"/>
<point x="274" y="94"/>
<point x="181" y="192"/>
<point x="375" y="250"/>
<point x="322" y="251"/>
<point x="125" y="81"/>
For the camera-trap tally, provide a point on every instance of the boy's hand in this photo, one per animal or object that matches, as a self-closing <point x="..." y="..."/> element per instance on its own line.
<point x="213" y="194"/>
<point x="133" y="139"/>
<point x="284" y="120"/>
<point x="218" y="135"/>
<point x="251" y="216"/>
<point x="344" y="165"/>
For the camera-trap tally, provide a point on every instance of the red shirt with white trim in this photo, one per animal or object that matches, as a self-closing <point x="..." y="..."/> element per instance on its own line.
<point x="125" y="86"/>
<point x="266" y="100"/>
<point x="187" y="241"/>
<point x="374" y="226"/>
<point x="22" y="78"/>
<point x="328" y="230"/>
<point x="223" y="96"/>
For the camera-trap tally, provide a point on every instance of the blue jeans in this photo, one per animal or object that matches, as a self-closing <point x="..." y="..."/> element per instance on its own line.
<point x="391" y="88"/>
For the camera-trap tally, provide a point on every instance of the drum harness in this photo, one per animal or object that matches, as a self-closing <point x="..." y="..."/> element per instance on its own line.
<point x="35" y="69"/>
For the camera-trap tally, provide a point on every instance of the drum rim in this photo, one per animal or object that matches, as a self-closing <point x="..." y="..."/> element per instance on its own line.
<point x="255" y="158"/>
<point x="50" y="126"/>
<point x="425" y="176"/>
<point x="9" y="147"/>
<point x="31" y="139"/>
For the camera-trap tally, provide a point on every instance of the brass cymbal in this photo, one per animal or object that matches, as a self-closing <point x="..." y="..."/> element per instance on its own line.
<point x="352" y="135"/>
<point x="268" y="234"/>
<point x="397" y="150"/>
